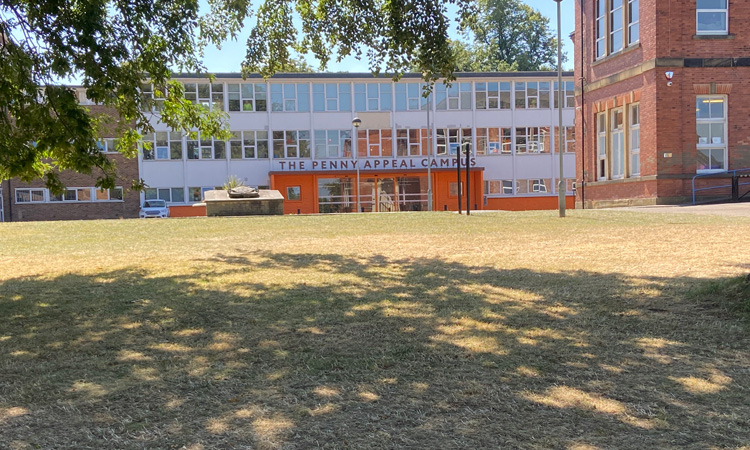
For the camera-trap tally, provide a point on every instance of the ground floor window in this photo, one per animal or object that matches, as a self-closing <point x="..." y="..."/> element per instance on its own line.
<point x="711" y="123"/>
<point x="169" y="195"/>
<point x="635" y="139"/>
<point x="335" y="195"/>
<point x="393" y="194"/>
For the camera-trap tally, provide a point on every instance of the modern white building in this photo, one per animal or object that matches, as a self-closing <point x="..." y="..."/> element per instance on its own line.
<point x="293" y="133"/>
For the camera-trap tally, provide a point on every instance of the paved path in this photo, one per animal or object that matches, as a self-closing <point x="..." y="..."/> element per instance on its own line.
<point x="723" y="209"/>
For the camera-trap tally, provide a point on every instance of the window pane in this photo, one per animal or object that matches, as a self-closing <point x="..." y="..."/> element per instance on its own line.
<point x="712" y="21"/>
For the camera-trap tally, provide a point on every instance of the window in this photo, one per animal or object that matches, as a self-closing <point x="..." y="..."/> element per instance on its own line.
<point x="493" y="187"/>
<point x="412" y="142"/>
<point x="457" y="96"/>
<point x="211" y="96"/>
<point x="108" y="145"/>
<point x="617" y="134"/>
<point x="449" y="140"/>
<point x="205" y="148"/>
<point x="293" y="193"/>
<point x="615" y="26"/>
<point x="409" y="97"/>
<point x="634" y="20"/>
<point x="712" y="17"/>
<point x="534" y="186"/>
<point x="372" y="97"/>
<point x="601" y="146"/>
<point x="710" y="115"/>
<point x="169" y="195"/>
<point x="333" y="143"/>
<point x="249" y="145"/>
<point x="569" y="139"/>
<point x="532" y="94"/>
<point x="532" y="140"/>
<point x="493" y="141"/>
<point x="375" y="143"/>
<point x="336" y="195"/>
<point x="493" y="95"/>
<point x="30" y="195"/>
<point x="569" y="95"/>
<point x="635" y="139"/>
<point x="247" y="97"/>
<point x="332" y="97"/>
<point x="290" y="97"/>
<point x="163" y="145"/>
<point x="195" y="194"/>
<point x="613" y="19"/>
<point x="291" y="144"/>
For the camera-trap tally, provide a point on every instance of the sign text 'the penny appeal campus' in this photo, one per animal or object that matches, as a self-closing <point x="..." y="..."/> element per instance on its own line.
<point x="370" y="164"/>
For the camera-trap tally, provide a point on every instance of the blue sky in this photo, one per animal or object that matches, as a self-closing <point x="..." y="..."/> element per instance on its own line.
<point x="228" y="59"/>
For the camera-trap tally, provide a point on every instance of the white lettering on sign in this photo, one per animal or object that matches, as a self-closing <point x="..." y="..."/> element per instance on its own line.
<point x="367" y="164"/>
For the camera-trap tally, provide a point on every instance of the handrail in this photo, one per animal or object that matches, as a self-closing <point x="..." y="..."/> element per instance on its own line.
<point x="722" y="174"/>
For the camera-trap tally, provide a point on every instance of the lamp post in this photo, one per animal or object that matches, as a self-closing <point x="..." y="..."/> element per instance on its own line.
<point x="356" y="122"/>
<point x="561" y="180"/>
<point x="429" y="153"/>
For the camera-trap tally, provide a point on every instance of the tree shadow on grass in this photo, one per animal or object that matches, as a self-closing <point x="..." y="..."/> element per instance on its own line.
<point x="278" y="350"/>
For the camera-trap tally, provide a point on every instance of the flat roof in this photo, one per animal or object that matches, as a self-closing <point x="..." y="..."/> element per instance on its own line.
<point x="365" y="75"/>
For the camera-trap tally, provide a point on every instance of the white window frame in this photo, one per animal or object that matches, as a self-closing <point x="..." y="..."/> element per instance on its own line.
<point x="257" y="92"/>
<point x="617" y="142"/>
<point x="248" y="141"/>
<point x="169" y="198"/>
<point x="333" y="95"/>
<point x="332" y="143"/>
<point x="38" y="191"/>
<point x="206" y="147"/>
<point x="634" y="25"/>
<point x="449" y="140"/>
<point x="455" y="96"/>
<point x="293" y="97"/>
<point x="710" y="146"/>
<point x="606" y="27"/>
<point x="413" y="101"/>
<point x="699" y="11"/>
<point x="569" y="94"/>
<point x="602" y="163"/>
<point x="291" y="139"/>
<point x="373" y="97"/>
<point x="634" y="143"/>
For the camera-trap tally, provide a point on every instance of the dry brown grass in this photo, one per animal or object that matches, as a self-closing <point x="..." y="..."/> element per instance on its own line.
<point x="377" y="331"/>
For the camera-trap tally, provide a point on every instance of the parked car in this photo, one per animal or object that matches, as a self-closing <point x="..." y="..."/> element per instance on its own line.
<point x="154" y="208"/>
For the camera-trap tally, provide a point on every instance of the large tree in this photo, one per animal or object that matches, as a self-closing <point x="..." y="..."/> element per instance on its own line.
<point x="507" y="35"/>
<point x="111" y="47"/>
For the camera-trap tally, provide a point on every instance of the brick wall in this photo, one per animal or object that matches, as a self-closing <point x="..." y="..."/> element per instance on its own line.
<point x="668" y="123"/>
<point x="127" y="170"/>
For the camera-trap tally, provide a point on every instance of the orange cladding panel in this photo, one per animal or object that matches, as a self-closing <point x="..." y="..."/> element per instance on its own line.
<point x="306" y="204"/>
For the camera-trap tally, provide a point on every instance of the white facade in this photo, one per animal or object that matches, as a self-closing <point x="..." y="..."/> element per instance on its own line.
<point x="510" y="118"/>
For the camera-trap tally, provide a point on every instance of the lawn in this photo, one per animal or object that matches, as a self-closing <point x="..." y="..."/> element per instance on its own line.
<point x="604" y="330"/>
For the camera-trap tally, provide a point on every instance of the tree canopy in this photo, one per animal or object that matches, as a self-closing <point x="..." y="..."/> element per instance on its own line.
<point x="506" y="35"/>
<point x="112" y="47"/>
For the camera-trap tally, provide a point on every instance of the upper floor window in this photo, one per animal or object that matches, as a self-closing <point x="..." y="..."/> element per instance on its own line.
<point x="372" y="97"/>
<point x="332" y="97"/>
<point x="247" y="97"/>
<point x="209" y="95"/>
<point x="409" y="97"/>
<point x="569" y="94"/>
<point x="616" y="26"/>
<point x="532" y="94"/>
<point x="492" y="95"/>
<point x="248" y="144"/>
<point x="290" y="97"/>
<point x="712" y="17"/>
<point x="457" y="96"/>
<point x="333" y="143"/>
<point x="163" y="145"/>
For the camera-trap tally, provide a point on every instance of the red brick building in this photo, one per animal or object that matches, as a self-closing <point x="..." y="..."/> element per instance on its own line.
<point x="663" y="94"/>
<point x="22" y="202"/>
